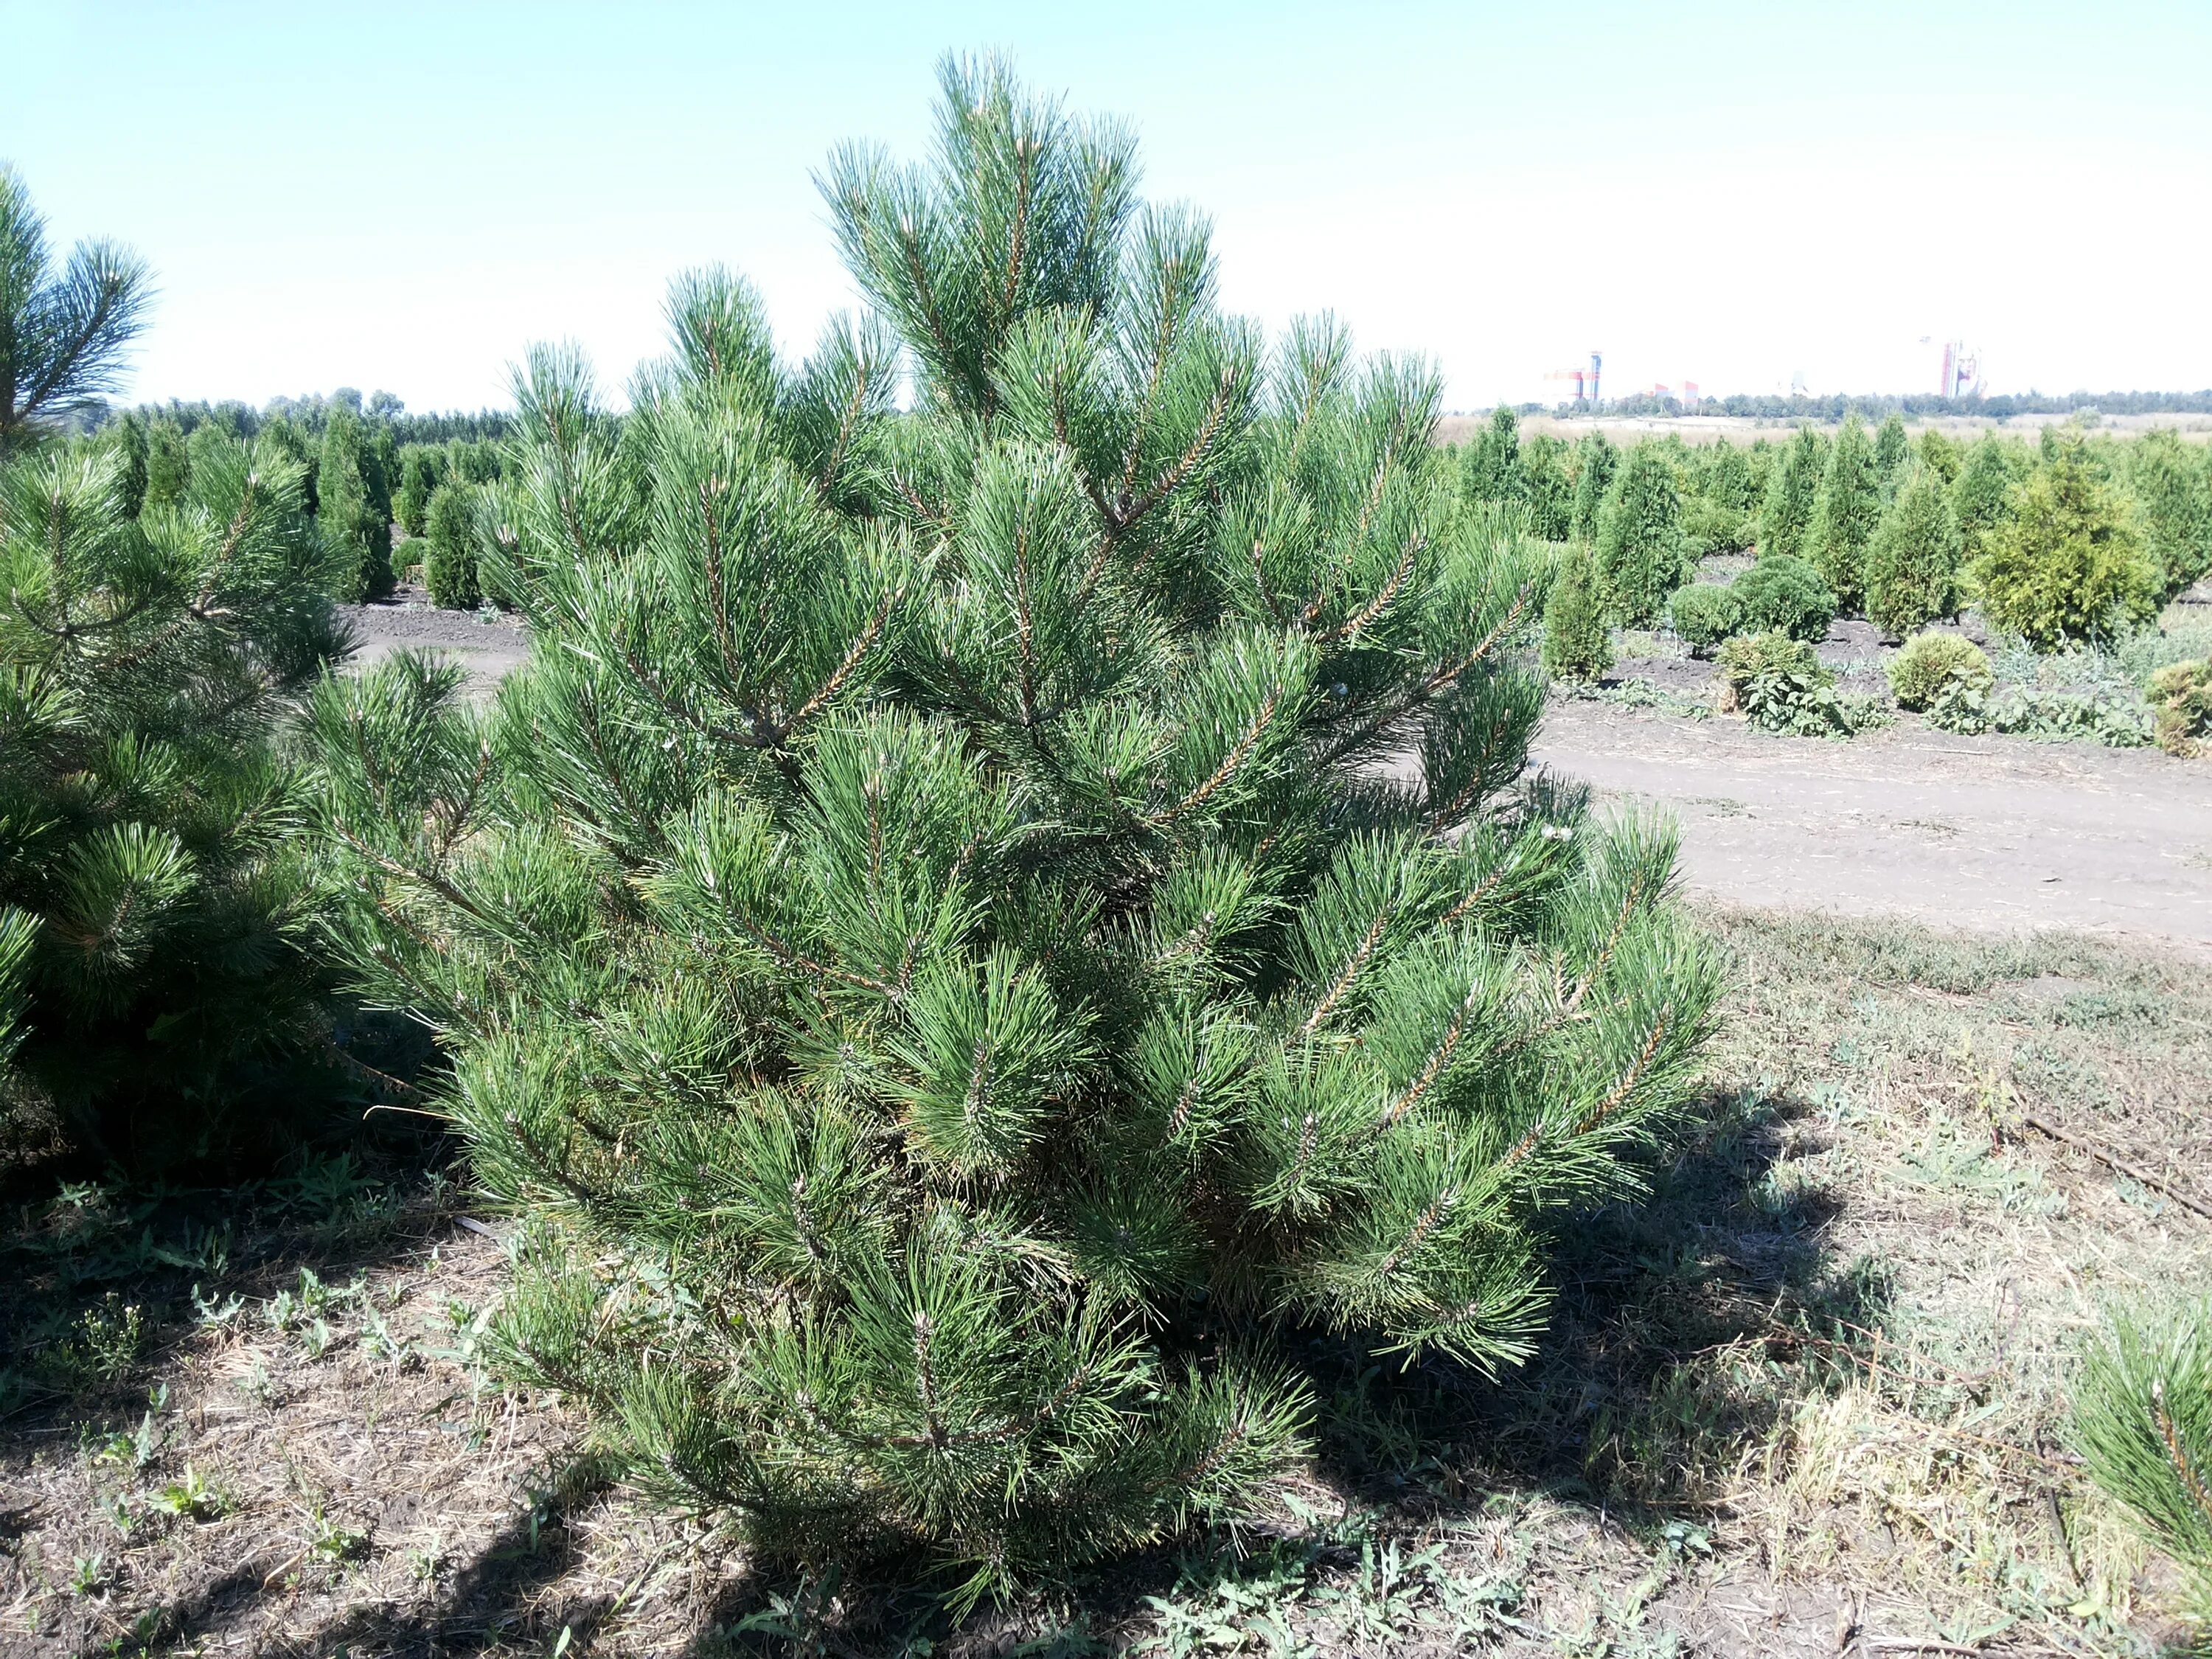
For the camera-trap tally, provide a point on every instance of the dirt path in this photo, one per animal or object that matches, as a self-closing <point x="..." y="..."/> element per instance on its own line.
<point x="487" y="647"/>
<point x="1986" y="832"/>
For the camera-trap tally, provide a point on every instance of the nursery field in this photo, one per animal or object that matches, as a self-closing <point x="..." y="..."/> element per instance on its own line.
<point x="1809" y="1401"/>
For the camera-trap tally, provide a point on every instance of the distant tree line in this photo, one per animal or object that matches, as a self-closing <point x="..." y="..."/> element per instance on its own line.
<point x="1876" y="406"/>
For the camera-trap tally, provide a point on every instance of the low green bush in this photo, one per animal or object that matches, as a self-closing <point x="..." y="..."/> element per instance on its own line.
<point x="1931" y="663"/>
<point x="2067" y="563"/>
<point x="2103" y="714"/>
<point x="1784" y="595"/>
<point x="2182" y="695"/>
<point x="1711" y="527"/>
<point x="1703" y="614"/>
<point x="1780" y="684"/>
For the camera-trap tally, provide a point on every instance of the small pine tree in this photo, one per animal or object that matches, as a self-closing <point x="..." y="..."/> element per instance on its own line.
<point x="1891" y="448"/>
<point x="419" y="474"/>
<point x="1577" y="644"/>
<point x="2143" y="1422"/>
<point x="169" y="469"/>
<point x="1846" y="515"/>
<point x="127" y="441"/>
<point x="1913" y="568"/>
<point x="1793" y="483"/>
<point x="1548" y="491"/>
<point x="359" y="536"/>
<point x="169" y="1001"/>
<point x="1981" y="496"/>
<point x="2173" y="507"/>
<point x="925" y="942"/>
<point x="1490" y="466"/>
<point x="1641" y="554"/>
<point x="449" y="567"/>
<point x="2067" y="565"/>
<point x="1595" y="462"/>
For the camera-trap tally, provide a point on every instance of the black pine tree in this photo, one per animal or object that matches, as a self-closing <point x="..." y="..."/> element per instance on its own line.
<point x="979" y="920"/>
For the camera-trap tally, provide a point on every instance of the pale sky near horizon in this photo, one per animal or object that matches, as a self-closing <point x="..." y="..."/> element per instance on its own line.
<point x="404" y="195"/>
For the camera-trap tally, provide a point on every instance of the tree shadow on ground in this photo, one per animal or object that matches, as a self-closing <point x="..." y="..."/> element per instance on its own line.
<point x="1637" y="1394"/>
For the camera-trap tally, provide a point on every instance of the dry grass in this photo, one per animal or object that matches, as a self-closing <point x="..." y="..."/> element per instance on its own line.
<point x="1810" y="1398"/>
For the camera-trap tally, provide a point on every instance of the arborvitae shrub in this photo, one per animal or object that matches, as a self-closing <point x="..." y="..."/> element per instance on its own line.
<point x="1730" y="477"/>
<point x="1578" y="643"/>
<point x="1490" y="465"/>
<point x="1931" y="664"/>
<point x="1913" y="568"/>
<point x="168" y="470"/>
<point x="1981" y="494"/>
<point x="168" y="1004"/>
<point x="1595" y="462"/>
<point x="1640" y="551"/>
<point x="1785" y="596"/>
<point x="1547" y="490"/>
<point x="929" y="942"/>
<point x="2066" y="564"/>
<point x="2174" y="506"/>
<point x="1709" y="527"/>
<point x="1845" y="515"/>
<point x="418" y="477"/>
<point x="126" y="440"/>
<point x="359" y="536"/>
<point x="449" y="567"/>
<point x="1939" y="455"/>
<point x="1794" y="481"/>
<point x="1890" y="449"/>
<point x="1703" y="614"/>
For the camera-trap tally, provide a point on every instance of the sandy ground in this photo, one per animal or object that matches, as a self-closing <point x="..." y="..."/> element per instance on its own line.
<point x="1985" y="832"/>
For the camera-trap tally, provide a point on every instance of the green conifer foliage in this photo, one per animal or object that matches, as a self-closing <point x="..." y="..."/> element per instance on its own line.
<point x="1792" y="485"/>
<point x="1912" y="568"/>
<point x="2067" y="563"/>
<point x="1891" y="448"/>
<point x="127" y="441"/>
<point x="169" y="469"/>
<point x="927" y="941"/>
<point x="1641" y="555"/>
<point x="170" y="992"/>
<point x="449" y="567"/>
<point x="1597" y="461"/>
<point x="1490" y="466"/>
<point x="2173" y="507"/>
<point x="1548" y="491"/>
<point x="420" y="473"/>
<point x="1846" y="515"/>
<point x="359" y="536"/>
<point x="1981" y="495"/>
<point x="1731" y="479"/>
<point x="1940" y="455"/>
<point x="1578" y="643"/>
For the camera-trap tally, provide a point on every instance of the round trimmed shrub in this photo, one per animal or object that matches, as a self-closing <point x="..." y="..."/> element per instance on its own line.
<point x="1933" y="664"/>
<point x="1705" y="614"/>
<point x="1784" y="595"/>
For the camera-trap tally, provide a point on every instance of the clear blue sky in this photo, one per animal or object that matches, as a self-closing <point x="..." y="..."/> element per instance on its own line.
<point x="404" y="196"/>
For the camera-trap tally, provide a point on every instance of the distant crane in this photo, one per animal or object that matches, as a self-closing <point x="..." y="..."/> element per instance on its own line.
<point x="1585" y="380"/>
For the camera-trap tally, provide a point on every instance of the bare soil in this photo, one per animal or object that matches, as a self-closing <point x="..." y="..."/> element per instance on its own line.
<point x="488" y="644"/>
<point x="1980" y="832"/>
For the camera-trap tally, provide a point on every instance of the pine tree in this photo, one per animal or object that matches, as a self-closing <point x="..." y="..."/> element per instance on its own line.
<point x="64" y="335"/>
<point x="2067" y="565"/>
<point x="357" y="531"/>
<point x="1642" y="556"/>
<point x="127" y="439"/>
<point x="1846" y="515"/>
<point x="1597" y="461"/>
<point x="1981" y="497"/>
<point x="927" y="942"/>
<point x="1577" y="644"/>
<point x="1912" y="566"/>
<point x="1792" y="485"/>
<point x="1548" y="492"/>
<point x="166" y="1003"/>
<point x="1490" y="466"/>
<point x="1891" y="448"/>
<point x="2173" y="507"/>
